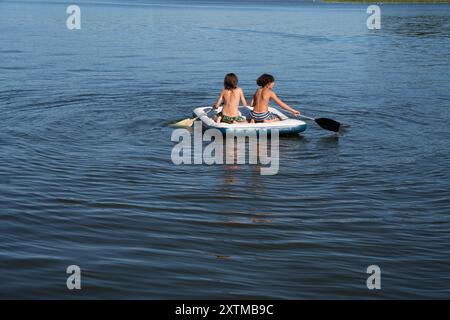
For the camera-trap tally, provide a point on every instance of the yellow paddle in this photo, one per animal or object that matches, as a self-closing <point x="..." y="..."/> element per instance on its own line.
<point x="190" y="122"/>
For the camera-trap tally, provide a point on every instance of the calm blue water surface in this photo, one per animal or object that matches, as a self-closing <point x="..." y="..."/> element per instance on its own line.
<point x="86" y="176"/>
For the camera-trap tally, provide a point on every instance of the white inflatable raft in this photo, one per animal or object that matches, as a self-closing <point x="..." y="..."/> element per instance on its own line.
<point x="285" y="126"/>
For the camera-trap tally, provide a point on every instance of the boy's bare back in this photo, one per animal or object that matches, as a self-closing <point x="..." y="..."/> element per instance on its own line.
<point x="261" y="100"/>
<point x="231" y="99"/>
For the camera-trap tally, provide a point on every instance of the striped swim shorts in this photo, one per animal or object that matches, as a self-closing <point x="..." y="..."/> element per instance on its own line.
<point x="261" y="116"/>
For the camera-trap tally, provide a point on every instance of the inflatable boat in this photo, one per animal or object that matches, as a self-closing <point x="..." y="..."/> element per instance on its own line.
<point x="285" y="126"/>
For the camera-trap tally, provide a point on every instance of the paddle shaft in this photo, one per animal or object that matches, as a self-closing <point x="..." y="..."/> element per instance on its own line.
<point x="305" y="117"/>
<point x="206" y="113"/>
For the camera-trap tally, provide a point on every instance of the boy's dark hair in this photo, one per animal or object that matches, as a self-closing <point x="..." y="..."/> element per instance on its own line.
<point x="264" y="80"/>
<point x="231" y="81"/>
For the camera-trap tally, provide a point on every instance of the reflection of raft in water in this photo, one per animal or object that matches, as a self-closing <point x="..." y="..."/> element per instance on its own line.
<point x="285" y="126"/>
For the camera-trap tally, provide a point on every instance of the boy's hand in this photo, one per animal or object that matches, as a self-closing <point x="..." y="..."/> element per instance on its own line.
<point x="296" y="113"/>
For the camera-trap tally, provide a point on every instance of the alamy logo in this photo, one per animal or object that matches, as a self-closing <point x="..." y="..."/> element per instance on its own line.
<point x="374" y="21"/>
<point x="74" y="20"/>
<point x="374" y="280"/>
<point x="74" y="280"/>
<point x="189" y="152"/>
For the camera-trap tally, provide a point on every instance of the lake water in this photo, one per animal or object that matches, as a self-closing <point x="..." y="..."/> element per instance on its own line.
<point x="86" y="176"/>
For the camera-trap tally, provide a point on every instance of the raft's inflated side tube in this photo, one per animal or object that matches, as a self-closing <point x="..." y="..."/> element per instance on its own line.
<point x="285" y="126"/>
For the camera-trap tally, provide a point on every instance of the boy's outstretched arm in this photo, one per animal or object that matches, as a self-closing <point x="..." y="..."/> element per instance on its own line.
<point x="219" y="101"/>
<point x="284" y="105"/>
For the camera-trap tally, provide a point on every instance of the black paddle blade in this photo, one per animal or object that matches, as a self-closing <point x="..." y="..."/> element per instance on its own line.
<point x="328" y="124"/>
